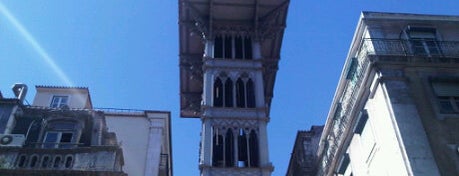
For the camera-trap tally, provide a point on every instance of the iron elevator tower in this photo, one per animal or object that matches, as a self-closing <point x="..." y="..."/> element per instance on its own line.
<point x="229" y="53"/>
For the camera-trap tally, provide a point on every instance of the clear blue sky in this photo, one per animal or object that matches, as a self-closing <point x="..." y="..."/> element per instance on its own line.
<point x="126" y="52"/>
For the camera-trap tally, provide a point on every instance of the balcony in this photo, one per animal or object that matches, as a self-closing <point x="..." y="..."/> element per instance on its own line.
<point x="410" y="51"/>
<point x="95" y="160"/>
<point x="164" y="169"/>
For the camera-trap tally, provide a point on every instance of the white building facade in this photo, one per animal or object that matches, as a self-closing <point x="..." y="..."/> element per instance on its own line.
<point x="143" y="135"/>
<point x="395" y="111"/>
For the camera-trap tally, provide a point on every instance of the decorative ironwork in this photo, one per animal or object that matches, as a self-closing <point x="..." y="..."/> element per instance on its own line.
<point x="430" y="51"/>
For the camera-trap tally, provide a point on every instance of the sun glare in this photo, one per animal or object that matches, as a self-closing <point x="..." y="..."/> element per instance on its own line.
<point x="35" y="45"/>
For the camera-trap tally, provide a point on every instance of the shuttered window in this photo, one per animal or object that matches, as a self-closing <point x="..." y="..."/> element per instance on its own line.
<point x="447" y="95"/>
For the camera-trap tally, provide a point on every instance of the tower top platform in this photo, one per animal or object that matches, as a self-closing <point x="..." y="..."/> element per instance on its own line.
<point x="200" y="20"/>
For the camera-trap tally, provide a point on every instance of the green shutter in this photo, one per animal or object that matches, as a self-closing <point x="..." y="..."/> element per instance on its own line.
<point x="446" y="89"/>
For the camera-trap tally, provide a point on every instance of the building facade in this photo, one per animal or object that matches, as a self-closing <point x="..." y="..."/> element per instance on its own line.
<point x="395" y="110"/>
<point x="303" y="160"/>
<point x="62" y="134"/>
<point x="229" y="53"/>
<point x="56" y="139"/>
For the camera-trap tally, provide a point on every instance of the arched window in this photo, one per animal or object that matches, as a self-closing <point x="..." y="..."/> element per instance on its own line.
<point x="228" y="47"/>
<point x="22" y="161"/>
<point x="247" y="48"/>
<point x="229" y="148"/>
<point x="45" y="160"/>
<point x="217" y="149"/>
<point x="240" y="93"/>
<point x="33" y="161"/>
<point x="57" y="161"/>
<point x="228" y="93"/>
<point x="239" y="53"/>
<point x="218" y="47"/>
<point x="218" y="93"/>
<point x="68" y="161"/>
<point x="242" y="149"/>
<point x="250" y="94"/>
<point x="254" y="153"/>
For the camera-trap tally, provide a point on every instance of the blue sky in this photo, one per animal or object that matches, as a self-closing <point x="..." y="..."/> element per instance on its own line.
<point x="126" y="52"/>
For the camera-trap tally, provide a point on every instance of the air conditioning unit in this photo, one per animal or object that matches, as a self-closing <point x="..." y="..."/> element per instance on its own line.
<point x="12" y="140"/>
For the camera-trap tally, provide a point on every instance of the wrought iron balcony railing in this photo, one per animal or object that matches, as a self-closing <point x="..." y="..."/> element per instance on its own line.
<point x="437" y="51"/>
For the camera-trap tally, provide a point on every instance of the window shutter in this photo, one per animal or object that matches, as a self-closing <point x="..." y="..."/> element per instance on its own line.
<point x="344" y="164"/>
<point x="446" y="89"/>
<point x="352" y="68"/>
<point x="361" y="121"/>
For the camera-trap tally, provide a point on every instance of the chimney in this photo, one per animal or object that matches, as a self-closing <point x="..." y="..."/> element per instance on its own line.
<point x="20" y="91"/>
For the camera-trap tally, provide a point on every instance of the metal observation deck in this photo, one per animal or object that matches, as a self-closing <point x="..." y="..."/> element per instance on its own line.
<point x="200" y="20"/>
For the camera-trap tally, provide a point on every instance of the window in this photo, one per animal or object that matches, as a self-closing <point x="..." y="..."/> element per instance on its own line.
<point x="235" y="148"/>
<point x="242" y="149"/>
<point x="57" y="139"/>
<point x="33" y="161"/>
<point x="22" y="161"/>
<point x="423" y="41"/>
<point x="250" y="90"/>
<point x="59" y="101"/>
<point x="218" y="149"/>
<point x="57" y="161"/>
<point x="241" y="94"/>
<point x="223" y="95"/>
<point x="254" y="152"/>
<point x="60" y="134"/>
<point x="45" y="160"/>
<point x="447" y="96"/>
<point x="68" y="161"/>
<point x="343" y="164"/>
<point x="361" y="122"/>
<point x="233" y="47"/>
<point x="218" y="93"/>
<point x="229" y="148"/>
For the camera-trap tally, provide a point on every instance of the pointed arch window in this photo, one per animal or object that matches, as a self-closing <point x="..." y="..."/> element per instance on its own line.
<point x="242" y="149"/>
<point x="238" y="41"/>
<point x="228" y="93"/>
<point x="247" y="48"/>
<point x="217" y="152"/>
<point x="254" y="151"/>
<point x="235" y="148"/>
<point x="218" y="47"/>
<point x="218" y="93"/>
<point x="240" y="93"/>
<point x="229" y="148"/>
<point x="250" y="94"/>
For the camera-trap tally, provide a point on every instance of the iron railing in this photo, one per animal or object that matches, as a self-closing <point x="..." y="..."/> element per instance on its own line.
<point x="411" y="50"/>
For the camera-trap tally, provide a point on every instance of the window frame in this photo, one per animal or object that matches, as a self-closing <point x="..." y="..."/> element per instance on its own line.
<point x="423" y="41"/>
<point x="58" y="143"/>
<point x="66" y="133"/>
<point x="444" y="98"/>
<point x="233" y="47"/>
<point x="60" y="103"/>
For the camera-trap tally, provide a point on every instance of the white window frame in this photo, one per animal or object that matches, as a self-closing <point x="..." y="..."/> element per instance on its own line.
<point x="60" y="102"/>
<point x="57" y="143"/>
